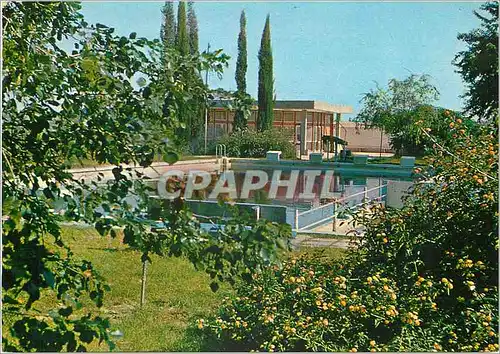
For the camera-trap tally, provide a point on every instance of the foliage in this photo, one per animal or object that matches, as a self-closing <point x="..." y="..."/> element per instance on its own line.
<point x="168" y="25"/>
<point x="241" y="61"/>
<point x="191" y="110"/>
<point x="242" y="100"/>
<point x="192" y="28"/>
<point x="250" y="143"/>
<point x="266" y="81"/>
<point x="397" y="108"/>
<point x="242" y="104"/>
<point x="182" y="39"/>
<point x="60" y="106"/>
<point x="56" y="107"/>
<point x="424" y="279"/>
<point x="406" y="136"/>
<point x="478" y="65"/>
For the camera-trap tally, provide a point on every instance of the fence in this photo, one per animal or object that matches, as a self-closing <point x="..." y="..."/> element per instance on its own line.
<point x="327" y="213"/>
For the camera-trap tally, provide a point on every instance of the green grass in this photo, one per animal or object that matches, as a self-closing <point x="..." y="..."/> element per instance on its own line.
<point x="177" y="294"/>
<point x="331" y="253"/>
<point x="394" y="160"/>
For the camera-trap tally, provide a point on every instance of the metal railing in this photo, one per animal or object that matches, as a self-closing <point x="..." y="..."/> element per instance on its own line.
<point x="330" y="211"/>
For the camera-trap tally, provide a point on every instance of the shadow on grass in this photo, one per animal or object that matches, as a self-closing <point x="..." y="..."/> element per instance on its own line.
<point x="196" y="340"/>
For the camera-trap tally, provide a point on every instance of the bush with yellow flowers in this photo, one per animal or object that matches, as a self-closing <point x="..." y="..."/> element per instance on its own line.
<point x="424" y="279"/>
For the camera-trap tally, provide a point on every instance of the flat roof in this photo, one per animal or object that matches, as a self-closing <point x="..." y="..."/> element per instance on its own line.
<point x="313" y="105"/>
<point x="300" y="105"/>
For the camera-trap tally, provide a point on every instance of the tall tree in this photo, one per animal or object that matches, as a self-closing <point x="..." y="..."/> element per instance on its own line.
<point x="192" y="27"/>
<point x="397" y="109"/>
<point x="241" y="62"/>
<point x="265" y="91"/>
<point x="242" y="112"/>
<point x="478" y="64"/>
<point x="168" y="30"/>
<point x="182" y="39"/>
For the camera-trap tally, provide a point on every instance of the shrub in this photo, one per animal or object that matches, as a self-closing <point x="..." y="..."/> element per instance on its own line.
<point x="424" y="279"/>
<point x="250" y="143"/>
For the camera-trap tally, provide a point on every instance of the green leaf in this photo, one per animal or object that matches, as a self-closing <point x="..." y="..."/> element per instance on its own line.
<point x="170" y="157"/>
<point x="66" y="311"/>
<point x="87" y="336"/>
<point x="214" y="286"/>
<point x="141" y="82"/>
<point x="49" y="278"/>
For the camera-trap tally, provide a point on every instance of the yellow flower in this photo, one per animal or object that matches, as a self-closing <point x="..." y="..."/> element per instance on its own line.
<point x="343" y="303"/>
<point x="471" y="285"/>
<point x="385" y="240"/>
<point x="200" y="323"/>
<point x="437" y="346"/>
<point x="372" y="343"/>
<point x="325" y="322"/>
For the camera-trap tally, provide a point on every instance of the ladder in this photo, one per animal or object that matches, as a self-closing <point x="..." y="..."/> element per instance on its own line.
<point x="221" y="157"/>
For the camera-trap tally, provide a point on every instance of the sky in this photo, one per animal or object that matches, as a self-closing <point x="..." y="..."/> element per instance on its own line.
<point x="327" y="51"/>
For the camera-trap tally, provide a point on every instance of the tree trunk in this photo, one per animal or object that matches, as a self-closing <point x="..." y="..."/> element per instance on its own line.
<point x="143" y="282"/>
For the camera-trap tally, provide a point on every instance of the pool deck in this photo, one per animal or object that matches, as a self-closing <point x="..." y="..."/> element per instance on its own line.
<point x="302" y="241"/>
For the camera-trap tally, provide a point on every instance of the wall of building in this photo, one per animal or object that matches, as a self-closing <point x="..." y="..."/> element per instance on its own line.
<point x="319" y="123"/>
<point x="361" y="139"/>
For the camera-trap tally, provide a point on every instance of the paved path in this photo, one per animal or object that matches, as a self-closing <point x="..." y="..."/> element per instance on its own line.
<point x="154" y="171"/>
<point x="311" y="241"/>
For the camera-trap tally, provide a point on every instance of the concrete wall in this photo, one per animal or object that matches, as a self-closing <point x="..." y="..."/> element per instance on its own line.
<point x="276" y="213"/>
<point x="361" y="139"/>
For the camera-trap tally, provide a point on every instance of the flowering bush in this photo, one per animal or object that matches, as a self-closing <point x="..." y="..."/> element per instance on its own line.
<point x="424" y="279"/>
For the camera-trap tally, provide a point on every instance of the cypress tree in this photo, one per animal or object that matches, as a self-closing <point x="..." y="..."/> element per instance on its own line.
<point x="265" y="91"/>
<point x="192" y="25"/>
<point x="241" y="62"/>
<point x="240" y="121"/>
<point x="182" y="40"/>
<point x="168" y="32"/>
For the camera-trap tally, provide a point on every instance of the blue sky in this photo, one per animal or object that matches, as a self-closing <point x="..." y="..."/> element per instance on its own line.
<point x="328" y="51"/>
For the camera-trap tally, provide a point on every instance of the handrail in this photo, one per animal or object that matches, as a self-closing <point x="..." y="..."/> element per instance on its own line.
<point x="336" y="212"/>
<point x="342" y="199"/>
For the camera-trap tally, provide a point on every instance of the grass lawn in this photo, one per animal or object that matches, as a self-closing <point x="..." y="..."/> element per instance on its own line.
<point x="419" y="161"/>
<point x="177" y="294"/>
